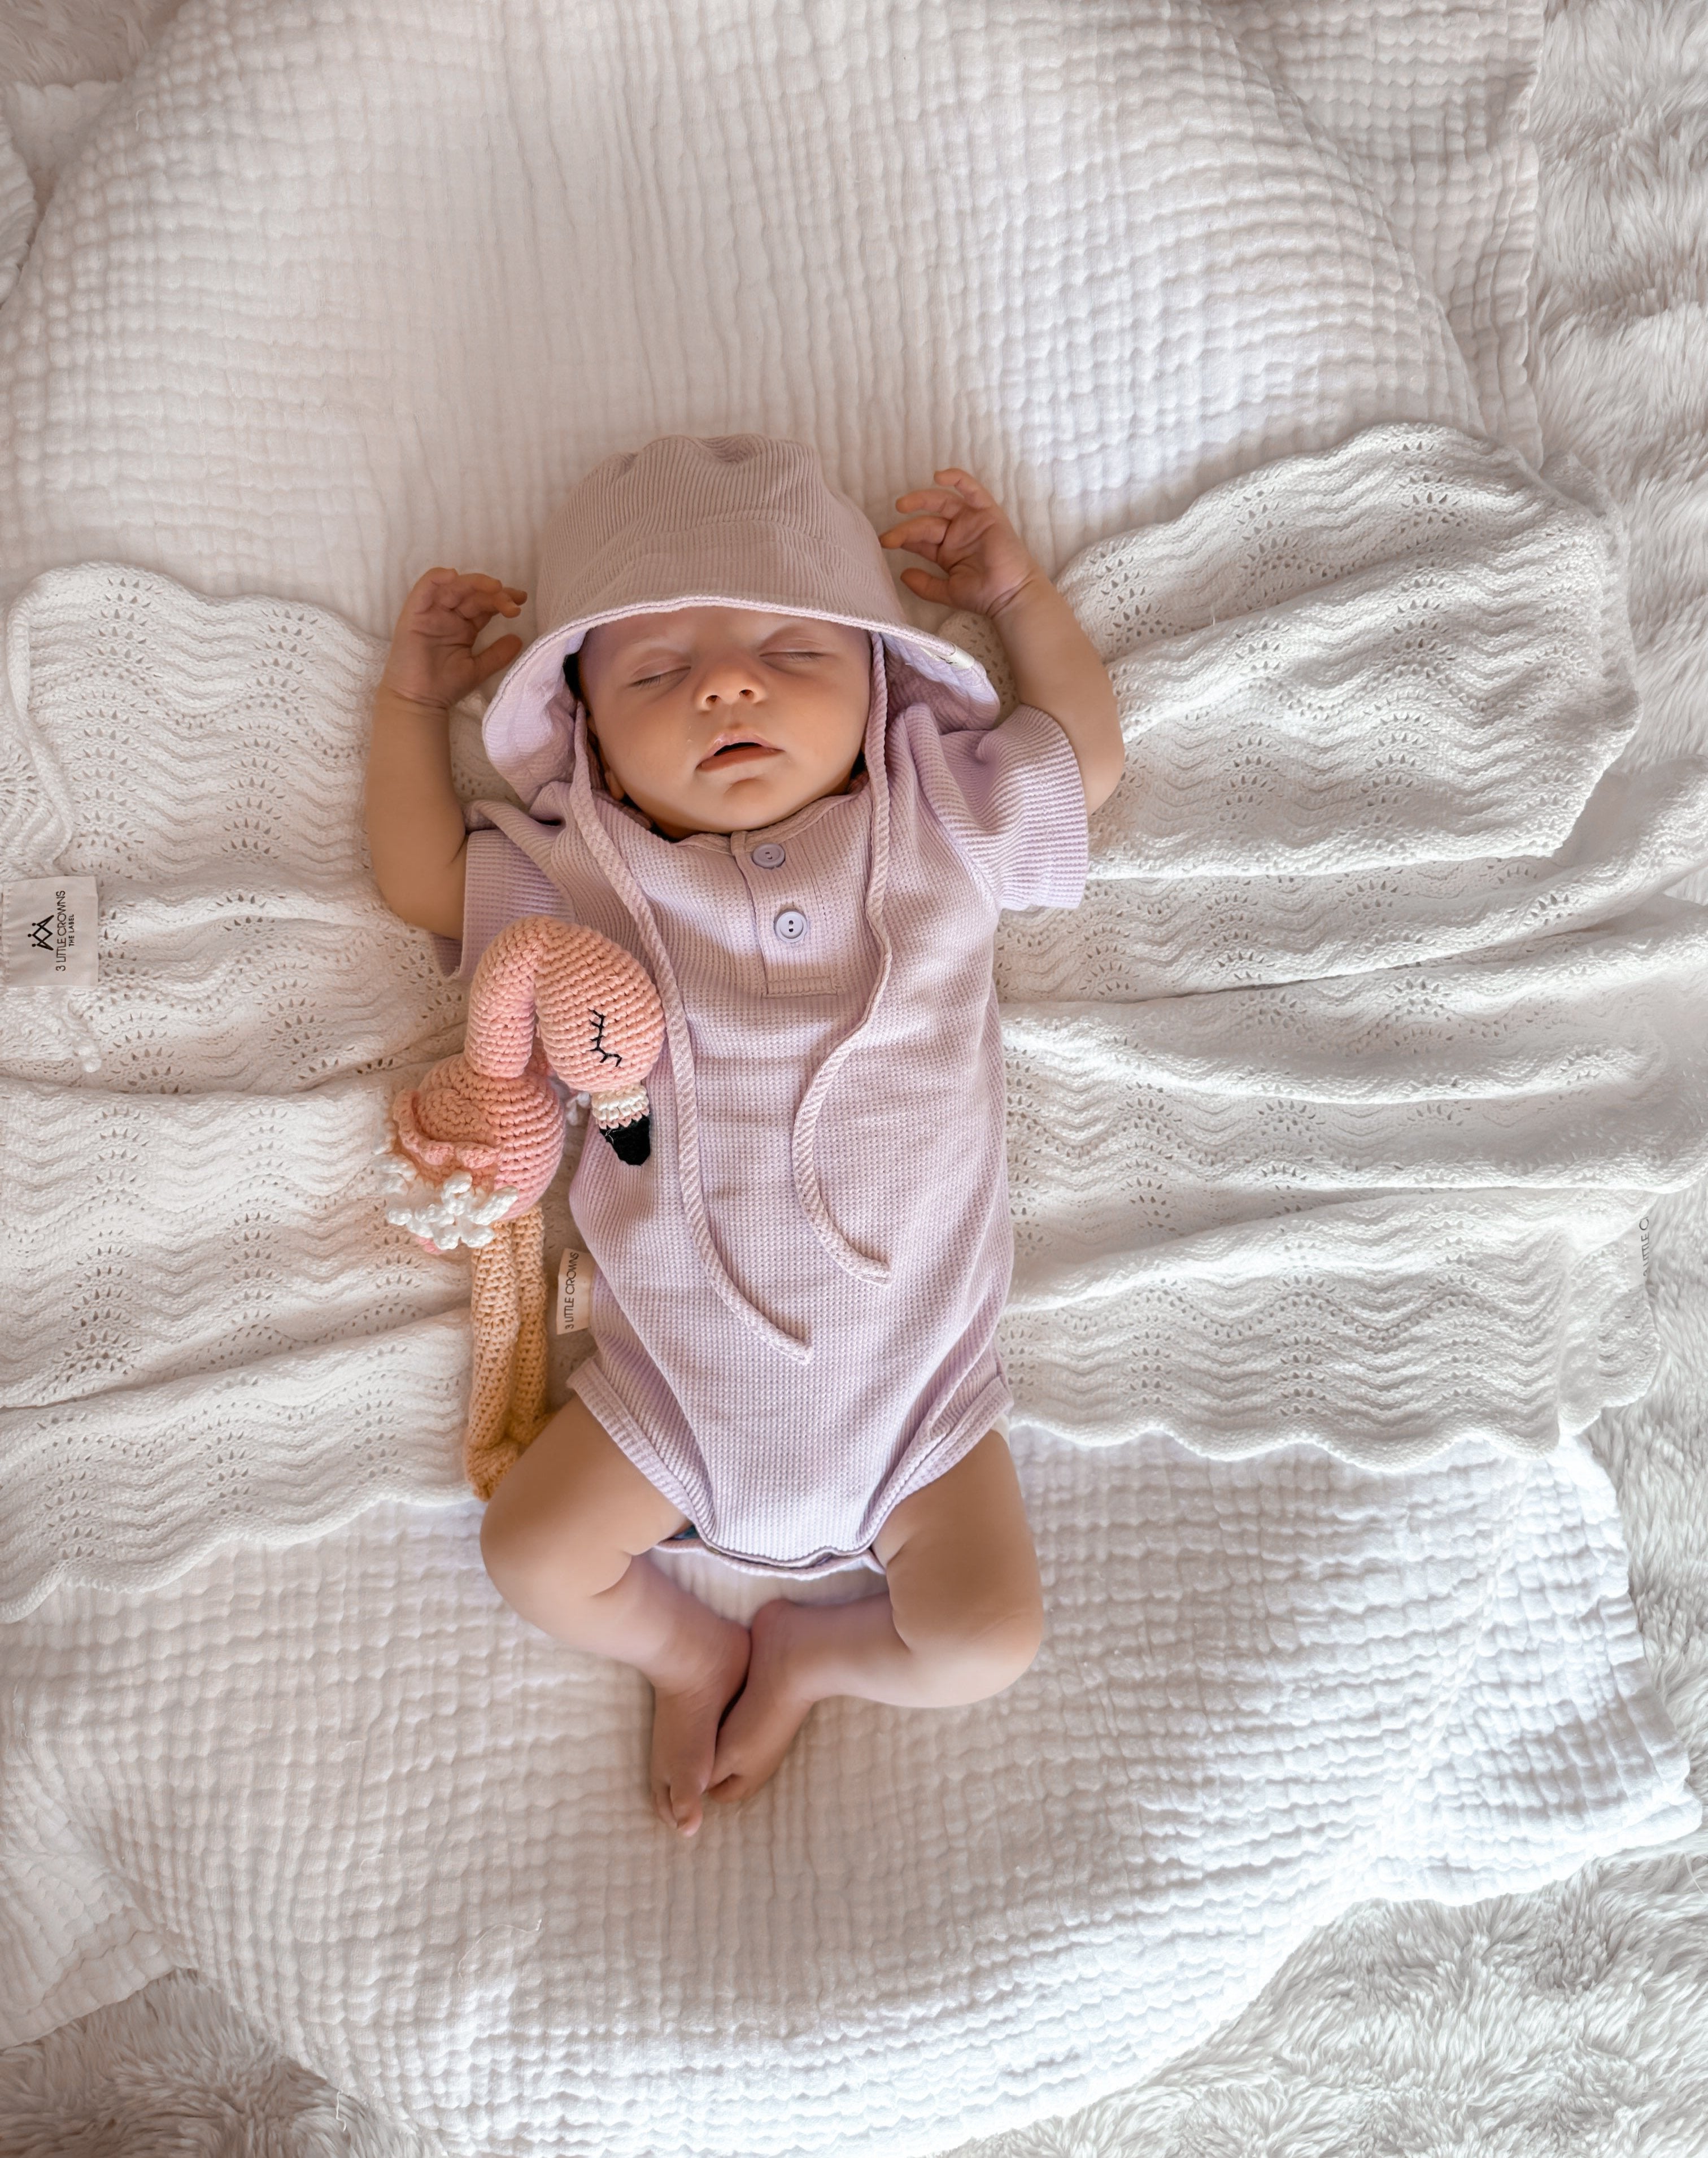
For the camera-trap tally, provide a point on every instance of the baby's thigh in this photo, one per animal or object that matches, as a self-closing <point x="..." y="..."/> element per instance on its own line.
<point x="573" y="1505"/>
<point x="959" y="1559"/>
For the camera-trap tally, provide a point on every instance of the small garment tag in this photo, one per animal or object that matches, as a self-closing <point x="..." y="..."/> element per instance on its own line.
<point x="49" y="933"/>
<point x="576" y="1273"/>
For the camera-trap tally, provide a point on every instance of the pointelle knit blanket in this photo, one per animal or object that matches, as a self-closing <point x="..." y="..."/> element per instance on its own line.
<point x="1333" y="1113"/>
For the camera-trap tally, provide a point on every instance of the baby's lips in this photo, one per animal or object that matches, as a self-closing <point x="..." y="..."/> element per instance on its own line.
<point x="742" y="753"/>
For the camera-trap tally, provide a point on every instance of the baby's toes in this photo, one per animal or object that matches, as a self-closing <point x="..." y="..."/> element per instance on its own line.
<point x="680" y="1809"/>
<point x="728" y="1778"/>
<point x="752" y="1745"/>
<point x="727" y="1788"/>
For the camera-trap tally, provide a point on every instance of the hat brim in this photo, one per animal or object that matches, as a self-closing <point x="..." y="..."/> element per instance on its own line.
<point x="528" y="734"/>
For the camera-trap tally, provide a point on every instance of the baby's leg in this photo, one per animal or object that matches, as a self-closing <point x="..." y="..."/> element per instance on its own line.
<point x="565" y="1540"/>
<point x="961" y="1618"/>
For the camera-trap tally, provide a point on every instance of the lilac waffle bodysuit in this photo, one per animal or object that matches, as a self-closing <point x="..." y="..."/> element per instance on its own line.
<point x="797" y="1295"/>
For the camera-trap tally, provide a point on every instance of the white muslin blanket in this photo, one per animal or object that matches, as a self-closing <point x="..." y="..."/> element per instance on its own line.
<point x="334" y="292"/>
<point x="407" y="1834"/>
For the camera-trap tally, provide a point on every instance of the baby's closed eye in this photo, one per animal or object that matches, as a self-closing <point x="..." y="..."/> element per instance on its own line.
<point x="643" y="681"/>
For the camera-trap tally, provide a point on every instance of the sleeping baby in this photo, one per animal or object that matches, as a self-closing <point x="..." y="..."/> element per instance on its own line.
<point x="743" y="764"/>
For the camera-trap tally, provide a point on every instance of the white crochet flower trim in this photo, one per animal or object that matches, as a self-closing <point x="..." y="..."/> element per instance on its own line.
<point x="451" y="1213"/>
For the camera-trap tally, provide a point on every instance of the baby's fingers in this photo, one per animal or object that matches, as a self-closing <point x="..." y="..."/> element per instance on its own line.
<point x="919" y="536"/>
<point x="979" y="497"/>
<point x="477" y="580"/>
<point x="943" y="500"/>
<point x="464" y="592"/>
<point x="498" y="654"/>
<point x="926" y="586"/>
<point x="478" y="599"/>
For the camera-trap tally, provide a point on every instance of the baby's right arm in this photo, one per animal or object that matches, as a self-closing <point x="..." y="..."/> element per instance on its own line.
<point x="416" y="833"/>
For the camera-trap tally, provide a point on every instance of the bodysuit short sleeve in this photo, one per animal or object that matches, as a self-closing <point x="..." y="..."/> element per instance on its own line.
<point x="1012" y="801"/>
<point x="500" y="885"/>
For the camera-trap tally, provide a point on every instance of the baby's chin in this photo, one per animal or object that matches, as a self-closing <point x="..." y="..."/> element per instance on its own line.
<point x="743" y="805"/>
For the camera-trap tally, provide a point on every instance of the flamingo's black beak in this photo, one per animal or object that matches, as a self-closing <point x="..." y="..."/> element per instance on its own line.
<point x="634" y="1142"/>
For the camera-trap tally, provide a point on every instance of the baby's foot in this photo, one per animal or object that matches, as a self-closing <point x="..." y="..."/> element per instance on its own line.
<point x="685" y="1726"/>
<point x="762" y="1725"/>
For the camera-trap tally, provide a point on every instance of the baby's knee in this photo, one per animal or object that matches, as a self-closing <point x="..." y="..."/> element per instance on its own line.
<point x="537" y="1568"/>
<point x="1009" y="1646"/>
<point x="566" y="1518"/>
<point x="982" y="1650"/>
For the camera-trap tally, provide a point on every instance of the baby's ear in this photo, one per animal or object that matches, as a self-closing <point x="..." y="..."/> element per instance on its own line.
<point x="613" y="785"/>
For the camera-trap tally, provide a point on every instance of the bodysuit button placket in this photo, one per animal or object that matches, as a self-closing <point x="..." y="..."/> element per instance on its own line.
<point x="792" y="947"/>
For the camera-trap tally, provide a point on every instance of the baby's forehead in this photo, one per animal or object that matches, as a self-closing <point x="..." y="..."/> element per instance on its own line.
<point x="681" y="625"/>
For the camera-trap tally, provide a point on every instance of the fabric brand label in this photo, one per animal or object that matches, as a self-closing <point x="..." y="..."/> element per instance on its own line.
<point x="576" y="1273"/>
<point x="49" y="933"/>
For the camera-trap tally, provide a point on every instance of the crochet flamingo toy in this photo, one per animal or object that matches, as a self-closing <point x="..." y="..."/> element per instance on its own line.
<point x="474" y="1146"/>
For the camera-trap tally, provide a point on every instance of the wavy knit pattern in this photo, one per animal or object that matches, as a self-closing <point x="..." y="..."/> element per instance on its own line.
<point x="1346" y="681"/>
<point x="1382" y="1208"/>
<point x="247" y="948"/>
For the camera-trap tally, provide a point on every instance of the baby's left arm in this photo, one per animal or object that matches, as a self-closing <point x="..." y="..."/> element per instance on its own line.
<point x="988" y="569"/>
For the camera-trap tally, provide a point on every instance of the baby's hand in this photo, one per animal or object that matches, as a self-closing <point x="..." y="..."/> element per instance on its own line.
<point x="962" y="530"/>
<point x="432" y="660"/>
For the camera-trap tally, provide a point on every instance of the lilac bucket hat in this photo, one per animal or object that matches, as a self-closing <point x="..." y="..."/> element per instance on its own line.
<point x="726" y="520"/>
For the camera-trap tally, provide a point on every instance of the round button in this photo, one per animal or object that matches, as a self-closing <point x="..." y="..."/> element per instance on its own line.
<point x="771" y="855"/>
<point x="791" y="925"/>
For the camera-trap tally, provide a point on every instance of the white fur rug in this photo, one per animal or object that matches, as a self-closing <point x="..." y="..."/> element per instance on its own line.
<point x="67" y="41"/>
<point x="1571" y="2021"/>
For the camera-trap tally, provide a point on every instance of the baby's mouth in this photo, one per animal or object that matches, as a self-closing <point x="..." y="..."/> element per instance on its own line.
<point x="741" y="750"/>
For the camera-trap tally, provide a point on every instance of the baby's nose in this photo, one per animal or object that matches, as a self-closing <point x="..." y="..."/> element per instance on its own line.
<point x="731" y="679"/>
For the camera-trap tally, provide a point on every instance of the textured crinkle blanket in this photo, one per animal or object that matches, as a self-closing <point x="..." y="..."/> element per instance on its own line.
<point x="1333" y="1112"/>
<point x="335" y="290"/>
<point x="410" y="1837"/>
<point x="321" y="301"/>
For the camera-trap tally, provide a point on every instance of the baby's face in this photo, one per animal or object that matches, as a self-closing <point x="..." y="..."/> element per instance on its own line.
<point x="721" y="718"/>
